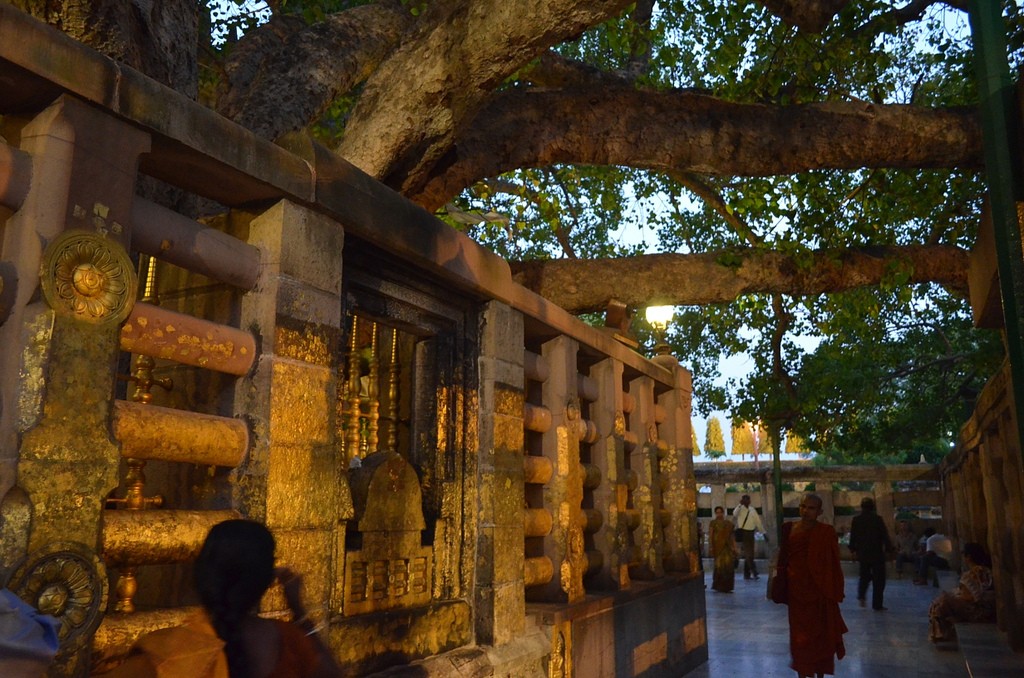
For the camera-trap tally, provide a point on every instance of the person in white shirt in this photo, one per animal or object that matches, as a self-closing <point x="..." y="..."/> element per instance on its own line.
<point x="937" y="549"/>
<point x="748" y="522"/>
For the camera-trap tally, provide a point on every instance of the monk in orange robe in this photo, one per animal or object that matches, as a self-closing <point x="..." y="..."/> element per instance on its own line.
<point x="810" y="556"/>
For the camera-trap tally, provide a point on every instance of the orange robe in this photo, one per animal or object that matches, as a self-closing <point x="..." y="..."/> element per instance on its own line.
<point x="816" y="626"/>
<point x="193" y="650"/>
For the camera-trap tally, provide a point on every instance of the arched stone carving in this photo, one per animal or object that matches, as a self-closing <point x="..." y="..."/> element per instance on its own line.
<point x="391" y="568"/>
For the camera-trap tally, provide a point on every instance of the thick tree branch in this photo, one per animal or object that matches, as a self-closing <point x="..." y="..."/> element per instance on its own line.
<point x="717" y="277"/>
<point x="690" y="132"/>
<point x="459" y="54"/>
<point x="283" y="75"/>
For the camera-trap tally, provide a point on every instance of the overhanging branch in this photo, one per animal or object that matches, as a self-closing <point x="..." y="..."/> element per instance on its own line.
<point x="718" y="277"/>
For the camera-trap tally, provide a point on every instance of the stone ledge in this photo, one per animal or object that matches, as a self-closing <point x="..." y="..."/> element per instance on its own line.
<point x="987" y="652"/>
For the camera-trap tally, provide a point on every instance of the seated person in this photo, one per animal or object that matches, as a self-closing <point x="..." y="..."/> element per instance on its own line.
<point x="973" y="600"/>
<point x="228" y="639"/>
<point x="937" y="549"/>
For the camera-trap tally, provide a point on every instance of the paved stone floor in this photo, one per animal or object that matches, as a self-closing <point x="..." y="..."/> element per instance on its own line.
<point x="748" y="635"/>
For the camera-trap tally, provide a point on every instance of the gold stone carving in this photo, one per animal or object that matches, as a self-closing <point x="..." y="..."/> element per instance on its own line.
<point x="68" y="581"/>
<point x="392" y="569"/>
<point x="89" y="277"/>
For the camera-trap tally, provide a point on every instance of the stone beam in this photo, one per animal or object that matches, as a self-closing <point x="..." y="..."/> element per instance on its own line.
<point x="731" y="472"/>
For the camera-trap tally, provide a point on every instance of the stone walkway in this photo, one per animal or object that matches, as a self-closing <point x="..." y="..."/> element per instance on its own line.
<point x="749" y="636"/>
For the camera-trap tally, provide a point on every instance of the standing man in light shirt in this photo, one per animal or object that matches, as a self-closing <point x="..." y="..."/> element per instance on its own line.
<point x="748" y="522"/>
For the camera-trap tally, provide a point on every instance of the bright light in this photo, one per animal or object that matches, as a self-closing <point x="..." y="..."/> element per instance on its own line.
<point x="659" y="316"/>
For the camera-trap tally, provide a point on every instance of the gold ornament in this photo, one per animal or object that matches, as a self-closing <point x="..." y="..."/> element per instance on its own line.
<point x="65" y="580"/>
<point x="89" y="277"/>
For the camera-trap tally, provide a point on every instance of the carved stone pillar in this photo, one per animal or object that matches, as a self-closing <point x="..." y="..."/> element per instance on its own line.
<point x="500" y="608"/>
<point x="563" y="494"/>
<point x="58" y="356"/>
<point x="294" y="478"/>
<point x="645" y="462"/>
<point x="679" y="493"/>
<point x="607" y="455"/>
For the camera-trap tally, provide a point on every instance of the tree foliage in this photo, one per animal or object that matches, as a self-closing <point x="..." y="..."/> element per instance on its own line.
<point x="797" y="164"/>
<point x="743" y="442"/>
<point x="714" y="441"/>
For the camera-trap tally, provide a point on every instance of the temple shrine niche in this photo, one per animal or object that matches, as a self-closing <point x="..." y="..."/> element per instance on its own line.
<point x="387" y="566"/>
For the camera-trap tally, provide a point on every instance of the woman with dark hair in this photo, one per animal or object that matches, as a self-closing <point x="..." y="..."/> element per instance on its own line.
<point x="973" y="600"/>
<point x="228" y="639"/>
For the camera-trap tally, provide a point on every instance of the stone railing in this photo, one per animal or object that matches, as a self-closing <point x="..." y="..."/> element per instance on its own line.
<point x="984" y="491"/>
<point x="907" y="488"/>
<point x="432" y="445"/>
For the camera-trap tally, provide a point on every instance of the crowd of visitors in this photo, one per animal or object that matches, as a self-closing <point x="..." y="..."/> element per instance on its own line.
<point x="808" y="578"/>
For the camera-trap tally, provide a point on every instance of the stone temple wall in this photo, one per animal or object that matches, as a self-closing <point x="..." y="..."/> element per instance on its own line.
<point x="984" y="487"/>
<point x="466" y="475"/>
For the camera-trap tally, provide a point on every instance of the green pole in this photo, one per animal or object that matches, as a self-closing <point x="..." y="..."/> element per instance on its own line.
<point x="777" y="482"/>
<point x="999" y="126"/>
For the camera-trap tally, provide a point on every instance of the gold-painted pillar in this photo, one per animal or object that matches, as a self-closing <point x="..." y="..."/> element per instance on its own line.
<point x="294" y="478"/>
<point x="499" y="589"/>
<point x="563" y="494"/>
<point x="607" y="455"/>
<point x="57" y="364"/>
<point x="644" y="460"/>
<point x="679" y="496"/>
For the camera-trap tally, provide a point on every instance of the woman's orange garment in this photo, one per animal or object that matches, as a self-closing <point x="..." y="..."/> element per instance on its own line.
<point x="299" y="656"/>
<point x="973" y="601"/>
<point x="723" y="549"/>
<point x="816" y="626"/>
<point x="193" y="650"/>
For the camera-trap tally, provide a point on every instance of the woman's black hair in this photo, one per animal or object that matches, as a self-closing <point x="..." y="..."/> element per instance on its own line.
<point x="977" y="553"/>
<point x="234" y="569"/>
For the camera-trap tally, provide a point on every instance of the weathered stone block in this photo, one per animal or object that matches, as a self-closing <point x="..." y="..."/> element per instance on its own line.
<point x="508" y="435"/>
<point x="371" y="642"/>
<point x="303" y="244"/>
<point x="501" y="499"/>
<point x="499" y="554"/>
<point x="310" y="343"/>
<point x="500" y="613"/>
<point x="301" y="404"/>
<point x="307" y="552"/>
<point x="502" y="333"/>
<point x="500" y="370"/>
<point x="306" y="303"/>
<point x="302" y="486"/>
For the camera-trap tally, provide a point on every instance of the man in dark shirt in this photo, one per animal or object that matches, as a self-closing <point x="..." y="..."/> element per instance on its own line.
<point x="869" y="544"/>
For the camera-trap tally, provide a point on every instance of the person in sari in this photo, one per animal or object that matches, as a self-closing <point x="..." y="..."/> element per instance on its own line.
<point x="972" y="601"/>
<point x="724" y="551"/>
<point x="809" y="553"/>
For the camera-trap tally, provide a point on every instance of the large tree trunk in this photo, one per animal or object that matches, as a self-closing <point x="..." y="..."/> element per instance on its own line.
<point x="580" y="286"/>
<point x="158" y="37"/>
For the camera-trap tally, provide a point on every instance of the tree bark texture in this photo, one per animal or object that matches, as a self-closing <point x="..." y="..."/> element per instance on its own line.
<point x="683" y="131"/>
<point x="579" y="285"/>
